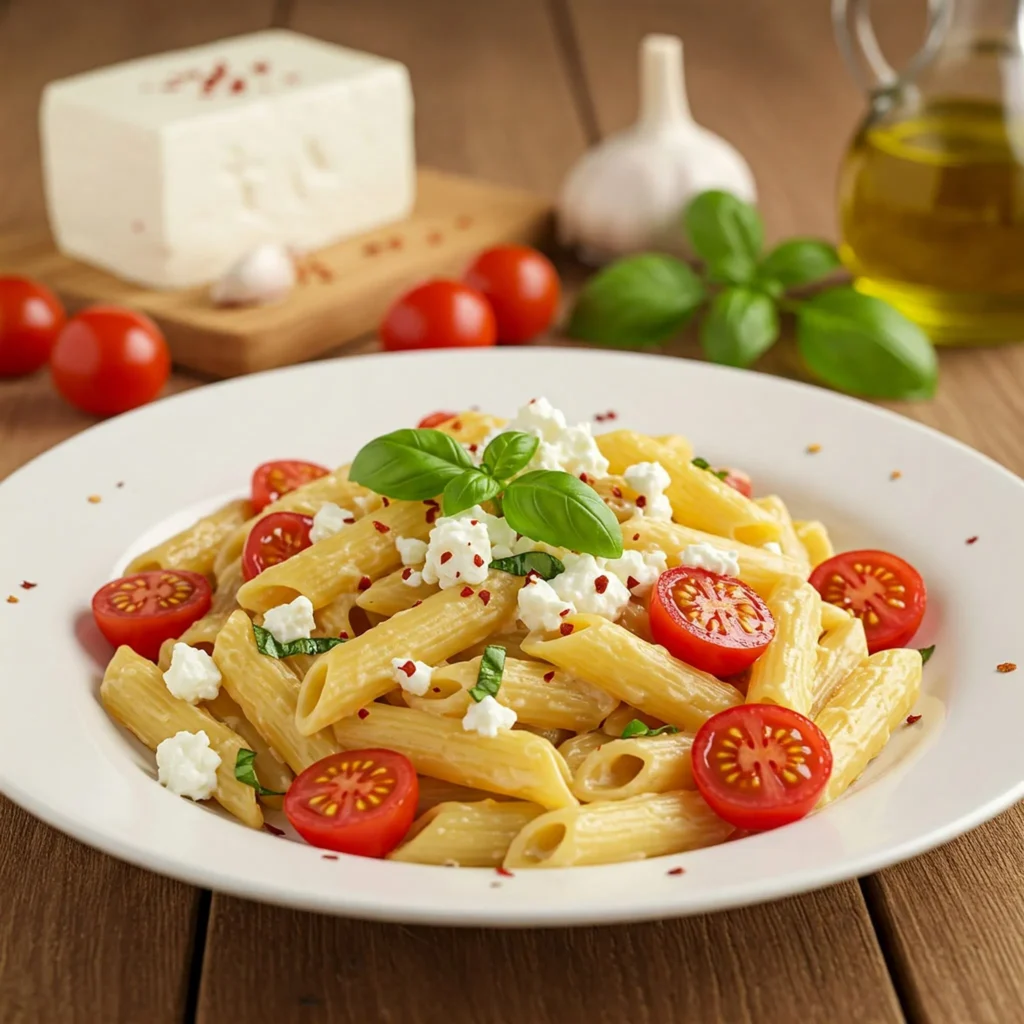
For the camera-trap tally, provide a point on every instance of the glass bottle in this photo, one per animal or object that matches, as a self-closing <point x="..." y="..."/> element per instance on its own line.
<point x="931" y="190"/>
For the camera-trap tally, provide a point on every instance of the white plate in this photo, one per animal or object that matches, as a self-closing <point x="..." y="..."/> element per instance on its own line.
<point x="62" y="759"/>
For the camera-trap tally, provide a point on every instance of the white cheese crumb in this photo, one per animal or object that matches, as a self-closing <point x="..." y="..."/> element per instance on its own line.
<point x="707" y="556"/>
<point x="773" y="546"/>
<point x="458" y="553"/>
<point x="638" y="570"/>
<point x="591" y="588"/>
<point x="192" y="675"/>
<point x="487" y="717"/>
<point x="540" y="608"/>
<point x="413" y="676"/>
<point x="412" y="577"/>
<point x="288" y="622"/>
<point x="411" y="550"/>
<point x="571" y="449"/>
<point x="501" y="535"/>
<point x="329" y="520"/>
<point x="649" y="480"/>
<point x="187" y="766"/>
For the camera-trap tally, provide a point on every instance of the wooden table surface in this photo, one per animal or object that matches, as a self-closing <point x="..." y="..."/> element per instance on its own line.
<point x="512" y="90"/>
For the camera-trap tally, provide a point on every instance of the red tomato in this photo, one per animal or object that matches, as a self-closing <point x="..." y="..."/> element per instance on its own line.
<point x="273" y="479"/>
<point x="275" y="538"/>
<point x="760" y="765"/>
<point x="108" y="360"/>
<point x="148" y="608"/>
<point x="435" y="419"/>
<point x="360" y="802"/>
<point x="31" y="317"/>
<point x="884" y="592"/>
<point x="740" y="480"/>
<point x="438" y="314"/>
<point x="523" y="287"/>
<point x="715" y="623"/>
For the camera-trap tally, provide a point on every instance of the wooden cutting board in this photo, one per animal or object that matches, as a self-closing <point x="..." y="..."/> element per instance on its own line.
<point x="342" y="293"/>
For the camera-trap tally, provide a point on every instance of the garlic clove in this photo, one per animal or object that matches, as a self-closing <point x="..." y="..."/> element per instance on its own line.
<point x="627" y="194"/>
<point x="262" y="276"/>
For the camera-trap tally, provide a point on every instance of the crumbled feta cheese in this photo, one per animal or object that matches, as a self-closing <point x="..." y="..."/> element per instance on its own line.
<point x="591" y="588"/>
<point x="487" y="717"/>
<point x="187" y="766"/>
<point x="411" y="550"/>
<point x="561" y="447"/>
<point x="638" y="569"/>
<point x="412" y="577"/>
<point x="773" y="546"/>
<point x="649" y="480"/>
<point x="540" y="418"/>
<point x="540" y="607"/>
<point x="413" y="676"/>
<point x="458" y="553"/>
<point x="501" y="535"/>
<point x="292" y="621"/>
<point x="366" y="502"/>
<point x="707" y="556"/>
<point x="192" y="675"/>
<point x="329" y="520"/>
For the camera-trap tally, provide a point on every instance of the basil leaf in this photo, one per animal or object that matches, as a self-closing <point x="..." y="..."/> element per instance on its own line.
<point x="546" y="566"/>
<point x="472" y="487"/>
<point x="559" y="509"/>
<point x="488" y="679"/>
<point x="740" y="327"/>
<point x="926" y="653"/>
<point x="639" y="300"/>
<point x="245" y="772"/>
<point x="411" y="465"/>
<point x="272" y="648"/>
<point x="861" y="344"/>
<point x="704" y="464"/>
<point x="638" y="728"/>
<point x="797" y="262"/>
<point x="509" y="452"/>
<point x="727" y="234"/>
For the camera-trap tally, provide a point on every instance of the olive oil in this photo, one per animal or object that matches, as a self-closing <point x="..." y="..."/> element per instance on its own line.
<point x="932" y="211"/>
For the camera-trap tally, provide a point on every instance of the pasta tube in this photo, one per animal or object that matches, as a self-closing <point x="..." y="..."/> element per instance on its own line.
<point x="616" y="722"/>
<point x="272" y="772"/>
<point x="788" y="540"/>
<point x="621" y="769"/>
<point x="840" y="651"/>
<point x="576" y="749"/>
<point x="437" y="791"/>
<point x="391" y="594"/>
<point x="815" y="540"/>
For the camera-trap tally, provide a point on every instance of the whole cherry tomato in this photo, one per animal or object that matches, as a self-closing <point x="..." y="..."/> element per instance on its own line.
<point x="523" y="287"/>
<point x="31" y="317"/>
<point x="439" y="314"/>
<point x="108" y="360"/>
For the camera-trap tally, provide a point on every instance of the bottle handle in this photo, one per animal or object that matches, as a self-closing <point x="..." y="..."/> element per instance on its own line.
<point x="851" y="21"/>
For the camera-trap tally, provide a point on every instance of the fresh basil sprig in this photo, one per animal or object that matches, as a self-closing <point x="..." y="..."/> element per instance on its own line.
<point x="638" y="728"/>
<point x="546" y="566"/>
<point x="410" y="465"/>
<point x="245" y="772"/>
<point x="851" y="341"/>
<point x="926" y="653"/>
<point x="509" y="453"/>
<point x="704" y="464"/>
<point x="273" y="648"/>
<point x="473" y="487"/>
<point x="488" y="678"/>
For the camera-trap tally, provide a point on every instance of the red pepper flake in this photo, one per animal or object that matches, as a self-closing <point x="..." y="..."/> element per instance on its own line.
<point x="566" y="628"/>
<point x="564" y="612"/>
<point x="616" y="492"/>
<point x="434" y="238"/>
<point x="26" y="585"/>
<point x="385" y="501"/>
<point x="601" y="584"/>
<point x="636" y="536"/>
<point x="272" y="829"/>
<point x="215" y="76"/>
<point x="417" y="604"/>
<point x="912" y="719"/>
<point x="548" y="676"/>
<point x="463" y="222"/>
<point x="395" y="243"/>
<point x="474" y="522"/>
<point x="971" y="540"/>
<point x="1006" y="666"/>
<point x="238" y="85"/>
<point x="478" y="561"/>
<point x="349" y="520"/>
<point x="473" y="448"/>
<point x="431" y="515"/>
<point x="363" y="713"/>
<point x="365" y="583"/>
<point x="435" y="689"/>
<point x="641" y="501"/>
<point x="466" y="592"/>
<point x="343" y="635"/>
<point x="445" y="556"/>
<point x="11" y="599"/>
<point x="372" y="248"/>
<point x="457" y="425"/>
<point x="584" y="478"/>
<point x="94" y="499"/>
<point x="328" y="856"/>
<point x="632" y="583"/>
<point x="408" y="668"/>
<point x="407" y="572"/>
<point x="676" y="871"/>
<point x="532" y="576"/>
<point x="321" y="270"/>
<point x="119" y="484"/>
<point x="381" y="527"/>
<point x="485" y="596"/>
<point x="611" y="414"/>
<point x="895" y="474"/>
<point x="260" y="67"/>
<point x="504" y="872"/>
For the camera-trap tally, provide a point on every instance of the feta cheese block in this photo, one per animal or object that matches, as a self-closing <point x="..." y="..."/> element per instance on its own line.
<point x="167" y="170"/>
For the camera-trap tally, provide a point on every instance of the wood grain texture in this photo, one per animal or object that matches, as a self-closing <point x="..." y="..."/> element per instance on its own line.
<point x="739" y="967"/>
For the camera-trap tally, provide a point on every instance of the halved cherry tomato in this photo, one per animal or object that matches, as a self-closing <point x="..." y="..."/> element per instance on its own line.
<point x="884" y="592"/>
<point x="435" y="419"/>
<point x="108" y="360"/>
<point x="272" y="479"/>
<point x="31" y="317"/>
<point x="712" y="622"/>
<point x="439" y="314"/>
<point x="740" y="480"/>
<point x="521" y="285"/>
<point x="275" y="538"/>
<point x="360" y="802"/>
<point x="147" y="608"/>
<point x="760" y="766"/>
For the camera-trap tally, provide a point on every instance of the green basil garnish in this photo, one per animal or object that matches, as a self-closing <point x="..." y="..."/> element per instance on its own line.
<point x="488" y="678"/>
<point x="509" y="453"/>
<point x="926" y="653"/>
<point x="544" y="565"/>
<point x="704" y="464"/>
<point x="637" y="728"/>
<point x="266" y="644"/>
<point x="472" y="487"/>
<point x="410" y="465"/>
<point x="245" y="772"/>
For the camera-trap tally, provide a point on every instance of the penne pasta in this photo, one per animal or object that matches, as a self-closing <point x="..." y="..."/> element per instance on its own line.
<point x="815" y="540"/>
<point x="832" y="616"/>
<point x="437" y="791"/>
<point x="788" y="540"/>
<point x="636" y="672"/>
<point x="677" y="444"/>
<point x="621" y="769"/>
<point x="840" y="650"/>
<point x="576" y="749"/>
<point x="470" y="835"/>
<point x="860" y="716"/>
<point x="514" y="762"/>
<point x="612" y="831"/>
<point x="785" y="673"/>
<point x="471" y="427"/>
<point x="390" y="594"/>
<point x="133" y="692"/>
<point x="617" y="721"/>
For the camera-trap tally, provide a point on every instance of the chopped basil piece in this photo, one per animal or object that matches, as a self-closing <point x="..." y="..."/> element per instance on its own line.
<point x="488" y="679"/>
<point x="637" y="728"/>
<point x="540" y="562"/>
<point x="266" y="644"/>
<point x="704" y="464"/>
<point x="926" y="653"/>
<point x="245" y="772"/>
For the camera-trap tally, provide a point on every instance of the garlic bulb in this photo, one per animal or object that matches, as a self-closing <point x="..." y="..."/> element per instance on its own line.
<point x="627" y="194"/>
<point x="267" y="274"/>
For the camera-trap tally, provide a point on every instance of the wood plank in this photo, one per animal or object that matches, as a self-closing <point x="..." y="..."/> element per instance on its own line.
<point x="738" y="967"/>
